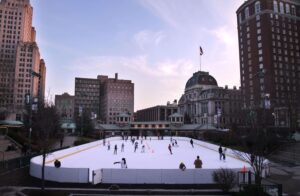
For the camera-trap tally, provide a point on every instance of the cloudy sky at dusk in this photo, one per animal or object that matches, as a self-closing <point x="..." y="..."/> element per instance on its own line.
<point x="154" y="43"/>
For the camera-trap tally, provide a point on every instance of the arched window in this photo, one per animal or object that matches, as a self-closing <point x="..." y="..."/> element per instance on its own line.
<point x="281" y="8"/>
<point x="257" y="7"/>
<point x="247" y="12"/>
<point x="293" y="10"/>
<point x="240" y="17"/>
<point x="287" y="8"/>
<point x="275" y="4"/>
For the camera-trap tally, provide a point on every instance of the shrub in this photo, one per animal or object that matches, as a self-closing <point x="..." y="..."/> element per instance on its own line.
<point x="225" y="177"/>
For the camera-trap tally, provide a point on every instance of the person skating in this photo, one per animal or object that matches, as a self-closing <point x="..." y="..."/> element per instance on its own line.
<point x="122" y="147"/>
<point x="108" y="145"/>
<point x="116" y="149"/>
<point x="224" y="154"/>
<point x="176" y="143"/>
<point x="170" y="148"/>
<point x="192" y="143"/>
<point x="198" y="162"/>
<point x="182" y="166"/>
<point x="220" y="152"/>
<point x="136" y="146"/>
<point x="143" y="149"/>
<point x="123" y="163"/>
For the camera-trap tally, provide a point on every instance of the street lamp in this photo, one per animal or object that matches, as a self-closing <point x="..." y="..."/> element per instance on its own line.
<point x="29" y="101"/>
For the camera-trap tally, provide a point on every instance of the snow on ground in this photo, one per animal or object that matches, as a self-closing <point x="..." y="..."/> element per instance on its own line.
<point x="156" y="156"/>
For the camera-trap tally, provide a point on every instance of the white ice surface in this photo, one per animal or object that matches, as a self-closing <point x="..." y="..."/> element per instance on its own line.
<point x="96" y="156"/>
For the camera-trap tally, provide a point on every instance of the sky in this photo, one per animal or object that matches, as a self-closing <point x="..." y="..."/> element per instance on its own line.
<point x="154" y="43"/>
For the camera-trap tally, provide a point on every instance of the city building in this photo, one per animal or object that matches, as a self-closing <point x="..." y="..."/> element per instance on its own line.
<point x="20" y="62"/>
<point x="157" y="113"/>
<point x="116" y="97"/>
<point x="64" y="105"/>
<point x="268" y="33"/>
<point x="104" y="98"/>
<point x="205" y="103"/>
<point x="87" y="97"/>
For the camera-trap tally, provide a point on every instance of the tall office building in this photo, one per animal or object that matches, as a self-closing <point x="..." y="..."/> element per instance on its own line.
<point x="104" y="98"/>
<point x="269" y="35"/>
<point x="19" y="59"/>
<point x="116" y="97"/>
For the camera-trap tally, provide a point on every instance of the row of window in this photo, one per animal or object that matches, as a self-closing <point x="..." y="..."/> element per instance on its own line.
<point x="287" y="9"/>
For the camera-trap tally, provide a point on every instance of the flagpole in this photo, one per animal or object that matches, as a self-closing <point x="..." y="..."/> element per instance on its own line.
<point x="200" y="62"/>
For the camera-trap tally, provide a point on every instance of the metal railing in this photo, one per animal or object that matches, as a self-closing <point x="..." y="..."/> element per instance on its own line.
<point x="248" y="178"/>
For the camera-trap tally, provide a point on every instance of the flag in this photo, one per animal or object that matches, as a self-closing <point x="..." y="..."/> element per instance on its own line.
<point x="201" y="51"/>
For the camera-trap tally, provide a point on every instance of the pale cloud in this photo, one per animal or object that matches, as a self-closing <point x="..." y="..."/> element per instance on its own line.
<point x="147" y="38"/>
<point x="224" y="35"/>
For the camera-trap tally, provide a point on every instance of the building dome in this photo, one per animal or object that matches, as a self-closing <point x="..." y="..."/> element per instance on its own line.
<point x="200" y="79"/>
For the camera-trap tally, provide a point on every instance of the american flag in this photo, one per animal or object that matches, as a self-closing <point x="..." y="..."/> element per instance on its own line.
<point x="201" y="51"/>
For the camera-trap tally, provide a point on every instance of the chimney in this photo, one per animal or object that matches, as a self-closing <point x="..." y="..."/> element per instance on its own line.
<point x="116" y="76"/>
<point x="226" y="86"/>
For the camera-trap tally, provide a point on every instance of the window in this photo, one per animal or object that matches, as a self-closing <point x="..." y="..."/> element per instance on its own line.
<point x="258" y="24"/>
<point x="287" y="8"/>
<point x="258" y="31"/>
<point x="275" y="5"/>
<point x="281" y="8"/>
<point x="247" y="12"/>
<point x="257" y="7"/>
<point x="259" y="38"/>
<point x="293" y="10"/>
<point x="240" y="17"/>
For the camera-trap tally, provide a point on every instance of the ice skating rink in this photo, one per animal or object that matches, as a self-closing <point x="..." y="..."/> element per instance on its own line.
<point x="96" y="155"/>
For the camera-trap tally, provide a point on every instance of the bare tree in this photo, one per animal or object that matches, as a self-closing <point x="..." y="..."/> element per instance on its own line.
<point x="46" y="126"/>
<point x="257" y="145"/>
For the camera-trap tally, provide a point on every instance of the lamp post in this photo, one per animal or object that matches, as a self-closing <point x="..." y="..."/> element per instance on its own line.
<point x="29" y="102"/>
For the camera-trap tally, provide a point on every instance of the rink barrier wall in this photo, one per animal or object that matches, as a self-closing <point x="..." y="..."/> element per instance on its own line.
<point x="138" y="176"/>
<point x="158" y="176"/>
<point x="70" y="175"/>
<point x="64" y="174"/>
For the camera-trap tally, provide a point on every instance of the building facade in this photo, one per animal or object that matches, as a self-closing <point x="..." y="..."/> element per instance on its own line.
<point x="116" y="97"/>
<point x="19" y="59"/>
<point x="87" y="96"/>
<point x="269" y="35"/>
<point x="105" y="98"/>
<point x="157" y="113"/>
<point x="204" y="103"/>
<point x="64" y="105"/>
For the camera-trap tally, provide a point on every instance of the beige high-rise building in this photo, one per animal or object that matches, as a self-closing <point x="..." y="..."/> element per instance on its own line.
<point x="19" y="59"/>
<point x="116" y="97"/>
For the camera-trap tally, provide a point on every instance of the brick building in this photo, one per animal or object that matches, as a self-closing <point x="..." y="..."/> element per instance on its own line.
<point x="105" y="98"/>
<point x="157" y="113"/>
<point x="269" y="35"/>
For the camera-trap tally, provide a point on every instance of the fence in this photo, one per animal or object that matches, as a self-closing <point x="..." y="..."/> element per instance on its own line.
<point x="248" y="178"/>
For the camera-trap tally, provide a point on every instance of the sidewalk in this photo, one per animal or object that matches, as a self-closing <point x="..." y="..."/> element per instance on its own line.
<point x="288" y="176"/>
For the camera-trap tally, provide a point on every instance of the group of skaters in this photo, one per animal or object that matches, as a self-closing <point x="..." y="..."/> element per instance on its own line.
<point x="134" y="143"/>
<point x="198" y="164"/>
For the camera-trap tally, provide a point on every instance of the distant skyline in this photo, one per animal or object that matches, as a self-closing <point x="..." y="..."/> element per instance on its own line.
<point x="154" y="43"/>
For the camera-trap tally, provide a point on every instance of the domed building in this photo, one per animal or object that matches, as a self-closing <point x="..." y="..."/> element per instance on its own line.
<point x="205" y="103"/>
